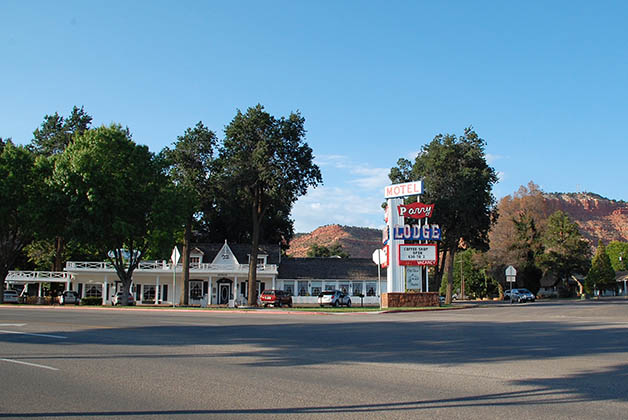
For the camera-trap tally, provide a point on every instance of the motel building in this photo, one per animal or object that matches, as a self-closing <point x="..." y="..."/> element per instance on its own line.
<point x="218" y="276"/>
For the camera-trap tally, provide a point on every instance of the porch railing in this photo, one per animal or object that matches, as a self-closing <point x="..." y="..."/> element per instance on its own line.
<point x="164" y="265"/>
<point x="38" y="276"/>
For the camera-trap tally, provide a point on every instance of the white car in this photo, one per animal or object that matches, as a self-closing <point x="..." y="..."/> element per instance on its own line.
<point x="69" y="297"/>
<point x="334" y="298"/>
<point x="10" y="296"/>
<point x="117" y="299"/>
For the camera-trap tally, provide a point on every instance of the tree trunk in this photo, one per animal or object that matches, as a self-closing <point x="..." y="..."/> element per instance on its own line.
<point x="187" y="238"/>
<point x="252" y="300"/>
<point x="3" y="275"/>
<point x="59" y="248"/>
<point x="257" y="219"/>
<point x="449" y="274"/>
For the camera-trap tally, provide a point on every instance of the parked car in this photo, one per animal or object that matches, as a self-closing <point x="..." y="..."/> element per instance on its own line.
<point x="69" y="297"/>
<point x="524" y="295"/>
<point x="117" y="299"/>
<point x="10" y="296"/>
<point x="334" y="298"/>
<point x="276" y="298"/>
<point x="519" y="295"/>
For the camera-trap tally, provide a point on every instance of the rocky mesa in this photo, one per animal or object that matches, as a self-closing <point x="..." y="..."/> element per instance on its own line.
<point x="597" y="216"/>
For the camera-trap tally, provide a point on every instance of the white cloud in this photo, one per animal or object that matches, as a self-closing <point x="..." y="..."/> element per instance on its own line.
<point x="345" y="206"/>
<point x="491" y="158"/>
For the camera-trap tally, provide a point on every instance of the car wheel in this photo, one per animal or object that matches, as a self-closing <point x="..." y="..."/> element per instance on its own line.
<point x="335" y="304"/>
<point x="349" y="303"/>
<point x="279" y="304"/>
<point x="290" y="305"/>
<point x="322" y="305"/>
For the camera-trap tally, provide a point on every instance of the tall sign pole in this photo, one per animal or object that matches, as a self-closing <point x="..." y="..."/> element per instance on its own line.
<point x="394" y="194"/>
<point x="175" y="260"/>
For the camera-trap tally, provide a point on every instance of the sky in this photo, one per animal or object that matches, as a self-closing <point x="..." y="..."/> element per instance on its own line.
<point x="545" y="84"/>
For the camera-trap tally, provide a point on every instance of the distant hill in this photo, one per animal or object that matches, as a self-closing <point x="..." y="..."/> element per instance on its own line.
<point x="598" y="218"/>
<point x="358" y="242"/>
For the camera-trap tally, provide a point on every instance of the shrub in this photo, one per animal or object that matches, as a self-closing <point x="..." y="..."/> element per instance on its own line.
<point x="91" y="300"/>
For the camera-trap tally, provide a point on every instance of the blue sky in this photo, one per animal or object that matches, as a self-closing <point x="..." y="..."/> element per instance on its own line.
<point x="544" y="83"/>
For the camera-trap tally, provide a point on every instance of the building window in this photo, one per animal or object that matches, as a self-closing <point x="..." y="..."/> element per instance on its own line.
<point x="371" y="289"/>
<point x="330" y="286"/>
<point x="195" y="262"/>
<point x="357" y="288"/>
<point x="196" y="290"/>
<point x="148" y="292"/>
<point x="316" y="288"/>
<point x="288" y="287"/>
<point x="93" y="290"/>
<point x="344" y="288"/>
<point x="303" y="288"/>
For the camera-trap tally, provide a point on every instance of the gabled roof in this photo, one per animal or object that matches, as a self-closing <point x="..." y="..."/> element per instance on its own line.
<point x="240" y="252"/>
<point x="329" y="268"/>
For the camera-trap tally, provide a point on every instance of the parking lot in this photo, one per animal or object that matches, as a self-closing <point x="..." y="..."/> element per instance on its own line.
<point x="557" y="359"/>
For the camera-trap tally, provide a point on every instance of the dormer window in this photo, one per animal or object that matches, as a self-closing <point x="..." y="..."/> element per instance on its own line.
<point x="195" y="261"/>
<point x="261" y="260"/>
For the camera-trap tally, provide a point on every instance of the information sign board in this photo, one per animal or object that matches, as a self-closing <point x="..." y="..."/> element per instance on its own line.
<point x="413" y="254"/>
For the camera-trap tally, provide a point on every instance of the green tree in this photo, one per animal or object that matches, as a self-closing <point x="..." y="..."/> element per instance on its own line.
<point x="618" y="253"/>
<point x="566" y="251"/>
<point x="459" y="182"/>
<point x="601" y="275"/>
<point x="20" y="214"/>
<point x="116" y="190"/>
<point x="528" y="249"/>
<point x="56" y="132"/>
<point x="192" y="159"/>
<point x="49" y="141"/>
<point x="334" y="250"/>
<point x="265" y="162"/>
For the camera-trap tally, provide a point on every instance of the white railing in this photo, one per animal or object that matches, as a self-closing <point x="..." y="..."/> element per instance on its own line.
<point x="38" y="276"/>
<point x="166" y="266"/>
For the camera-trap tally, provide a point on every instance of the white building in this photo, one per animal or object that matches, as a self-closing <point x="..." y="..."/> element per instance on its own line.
<point x="218" y="276"/>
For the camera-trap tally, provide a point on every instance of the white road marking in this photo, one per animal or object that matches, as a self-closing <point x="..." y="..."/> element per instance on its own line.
<point x="28" y="364"/>
<point x="12" y="325"/>
<point x="25" y="333"/>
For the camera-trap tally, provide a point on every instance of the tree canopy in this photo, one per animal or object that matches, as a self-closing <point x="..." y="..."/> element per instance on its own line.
<point x="334" y="250"/>
<point x="566" y="251"/>
<point x="459" y="182"/>
<point x="265" y="162"/>
<point x="19" y="204"/>
<point x="601" y="275"/>
<point x="115" y="188"/>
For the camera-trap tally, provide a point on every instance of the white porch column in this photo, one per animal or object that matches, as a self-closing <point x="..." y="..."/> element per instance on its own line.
<point x="38" y="289"/>
<point x="273" y="283"/>
<point x="157" y="290"/>
<point x="235" y="287"/>
<point x="105" y="294"/>
<point x="209" y="290"/>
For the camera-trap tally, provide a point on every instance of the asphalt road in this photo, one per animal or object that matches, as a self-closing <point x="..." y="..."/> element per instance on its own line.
<point x="559" y="360"/>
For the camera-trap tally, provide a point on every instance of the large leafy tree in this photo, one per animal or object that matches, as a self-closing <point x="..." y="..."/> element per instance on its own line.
<point x="265" y="162"/>
<point x="115" y="188"/>
<point x="20" y="199"/>
<point x="618" y="254"/>
<point x="191" y="170"/>
<point x="49" y="141"/>
<point x="458" y="180"/>
<point x="566" y="251"/>
<point x="334" y="250"/>
<point x="601" y="274"/>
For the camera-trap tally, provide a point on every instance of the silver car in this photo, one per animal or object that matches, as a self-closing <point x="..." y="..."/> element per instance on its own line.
<point x="69" y="297"/>
<point x="10" y="296"/>
<point x="334" y="298"/>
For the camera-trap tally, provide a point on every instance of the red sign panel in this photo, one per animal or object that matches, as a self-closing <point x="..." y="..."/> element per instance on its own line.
<point x="416" y="210"/>
<point x="385" y="262"/>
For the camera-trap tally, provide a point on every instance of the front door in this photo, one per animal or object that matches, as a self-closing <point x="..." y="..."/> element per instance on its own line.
<point x="223" y="295"/>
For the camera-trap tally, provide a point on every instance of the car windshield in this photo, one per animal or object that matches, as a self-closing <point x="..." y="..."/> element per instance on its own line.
<point x="524" y="291"/>
<point x="329" y="293"/>
<point x="268" y="292"/>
